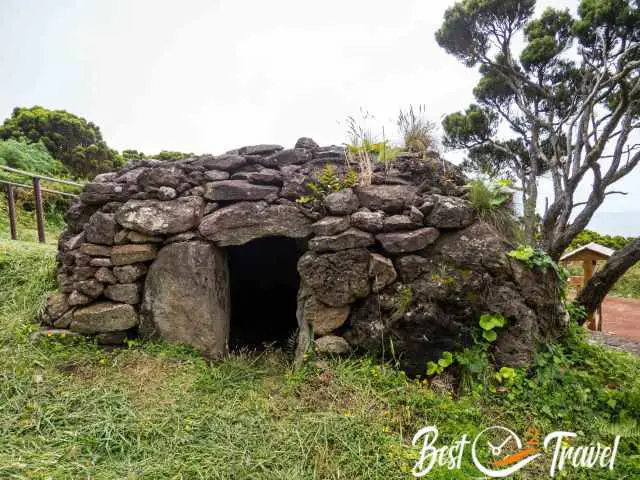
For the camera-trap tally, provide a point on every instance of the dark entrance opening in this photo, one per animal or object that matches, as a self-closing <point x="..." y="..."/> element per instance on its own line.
<point x="264" y="288"/>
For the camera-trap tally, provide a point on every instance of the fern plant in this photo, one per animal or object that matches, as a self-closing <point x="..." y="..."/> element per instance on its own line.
<point x="626" y="428"/>
<point x="328" y="182"/>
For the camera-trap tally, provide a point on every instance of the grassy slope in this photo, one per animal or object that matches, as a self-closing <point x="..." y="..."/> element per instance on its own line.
<point x="156" y="411"/>
<point x="26" y="223"/>
<point x="629" y="285"/>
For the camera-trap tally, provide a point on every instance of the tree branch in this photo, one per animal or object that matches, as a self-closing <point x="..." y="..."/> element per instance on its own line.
<point x="599" y="285"/>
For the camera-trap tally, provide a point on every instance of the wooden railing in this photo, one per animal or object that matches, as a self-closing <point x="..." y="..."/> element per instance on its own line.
<point x="37" y="194"/>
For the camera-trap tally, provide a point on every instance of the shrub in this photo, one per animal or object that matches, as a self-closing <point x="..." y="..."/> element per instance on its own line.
<point x="33" y="157"/>
<point x="587" y="236"/>
<point x="492" y="202"/>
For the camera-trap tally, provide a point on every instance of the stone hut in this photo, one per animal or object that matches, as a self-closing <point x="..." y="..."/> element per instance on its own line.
<point x="265" y="244"/>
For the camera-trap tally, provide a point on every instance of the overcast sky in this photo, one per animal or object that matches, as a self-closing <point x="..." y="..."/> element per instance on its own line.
<point x="207" y="76"/>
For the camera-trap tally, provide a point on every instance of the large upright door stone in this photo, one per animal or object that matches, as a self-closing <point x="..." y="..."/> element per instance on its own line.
<point x="186" y="297"/>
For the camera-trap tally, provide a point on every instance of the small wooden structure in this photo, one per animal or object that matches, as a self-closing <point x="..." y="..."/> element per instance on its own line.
<point x="37" y="193"/>
<point x="589" y="255"/>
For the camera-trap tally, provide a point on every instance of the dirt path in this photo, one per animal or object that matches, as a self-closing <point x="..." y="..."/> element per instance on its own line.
<point x="621" y="328"/>
<point x="622" y="343"/>
<point x="621" y="317"/>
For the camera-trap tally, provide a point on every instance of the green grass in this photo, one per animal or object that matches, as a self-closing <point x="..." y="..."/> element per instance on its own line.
<point x="26" y="222"/>
<point x="629" y="285"/>
<point x="154" y="411"/>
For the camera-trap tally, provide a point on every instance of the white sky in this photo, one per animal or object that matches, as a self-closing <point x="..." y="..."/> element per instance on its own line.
<point x="207" y="76"/>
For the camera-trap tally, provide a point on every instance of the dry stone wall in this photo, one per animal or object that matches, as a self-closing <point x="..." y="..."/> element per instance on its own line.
<point x="403" y="260"/>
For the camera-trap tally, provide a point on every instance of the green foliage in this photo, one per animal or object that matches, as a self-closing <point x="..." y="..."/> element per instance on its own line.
<point x="463" y="129"/>
<point x="72" y="140"/>
<point x="536" y="258"/>
<point x="164" y="156"/>
<point x="329" y="181"/>
<point x="54" y="207"/>
<point x="626" y="428"/>
<point x="468" y="25"/>
<point x="535" y="87"/>
<point x="616" y="17"/>
<point x="587" y="236"/>
<point x="489" y="322"/>
<point x="526" y="254"/>
<point x="474" y="361"/>
<point x="32" y="157"/>
<point x="491" y="200"/>
<point x="506" y="376"/>
<point x="576" y="312"/>
<point x="547" y="37"/>
<point x="26" y="277"/>
<point x="171" y="156"/>
<point x="437" y="368"/>
<point x="386" y="154"/>
<point x="350" y="179"/>
<point x="487" y="195"/>
<point x="629" y="284"/>
<point x="365" y="148"/>
<point x="132" y="156"/>
<point x="416" y="130"/>
<point x="403" y="300"/>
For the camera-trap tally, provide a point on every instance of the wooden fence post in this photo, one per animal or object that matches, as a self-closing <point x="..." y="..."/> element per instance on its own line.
<point x="12" y="211"/>
<point x="39" y="213"/>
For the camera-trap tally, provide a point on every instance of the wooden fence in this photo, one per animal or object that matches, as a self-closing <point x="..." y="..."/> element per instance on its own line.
<point x="37" y="194"/>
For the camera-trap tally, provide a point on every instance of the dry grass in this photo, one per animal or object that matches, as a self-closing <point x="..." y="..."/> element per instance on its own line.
<point x="417" y="132"/>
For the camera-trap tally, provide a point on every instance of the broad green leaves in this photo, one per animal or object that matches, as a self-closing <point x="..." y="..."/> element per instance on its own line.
<point x="436" y="368"/>
<point x="506" y="376"/>
<point x="536" y="258"/>
<point x="489" y="321"/>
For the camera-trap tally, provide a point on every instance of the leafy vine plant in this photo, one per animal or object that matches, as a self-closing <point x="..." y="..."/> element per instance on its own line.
<point x="473" y="360"/>
<point x="536" y="258"/>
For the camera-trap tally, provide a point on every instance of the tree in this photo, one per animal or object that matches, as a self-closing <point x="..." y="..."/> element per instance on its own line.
<point x="74" y="141"/>
<point x="164" y="156"/>
<point x="567" y="105"/>
<point x="132" y="156"/>
<point x="170" y="155"/>
<point x="612" y="241"/>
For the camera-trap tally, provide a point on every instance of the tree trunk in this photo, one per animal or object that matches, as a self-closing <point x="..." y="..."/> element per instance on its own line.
<point x="530" y="200"/>
<point x="597" y="288"/>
